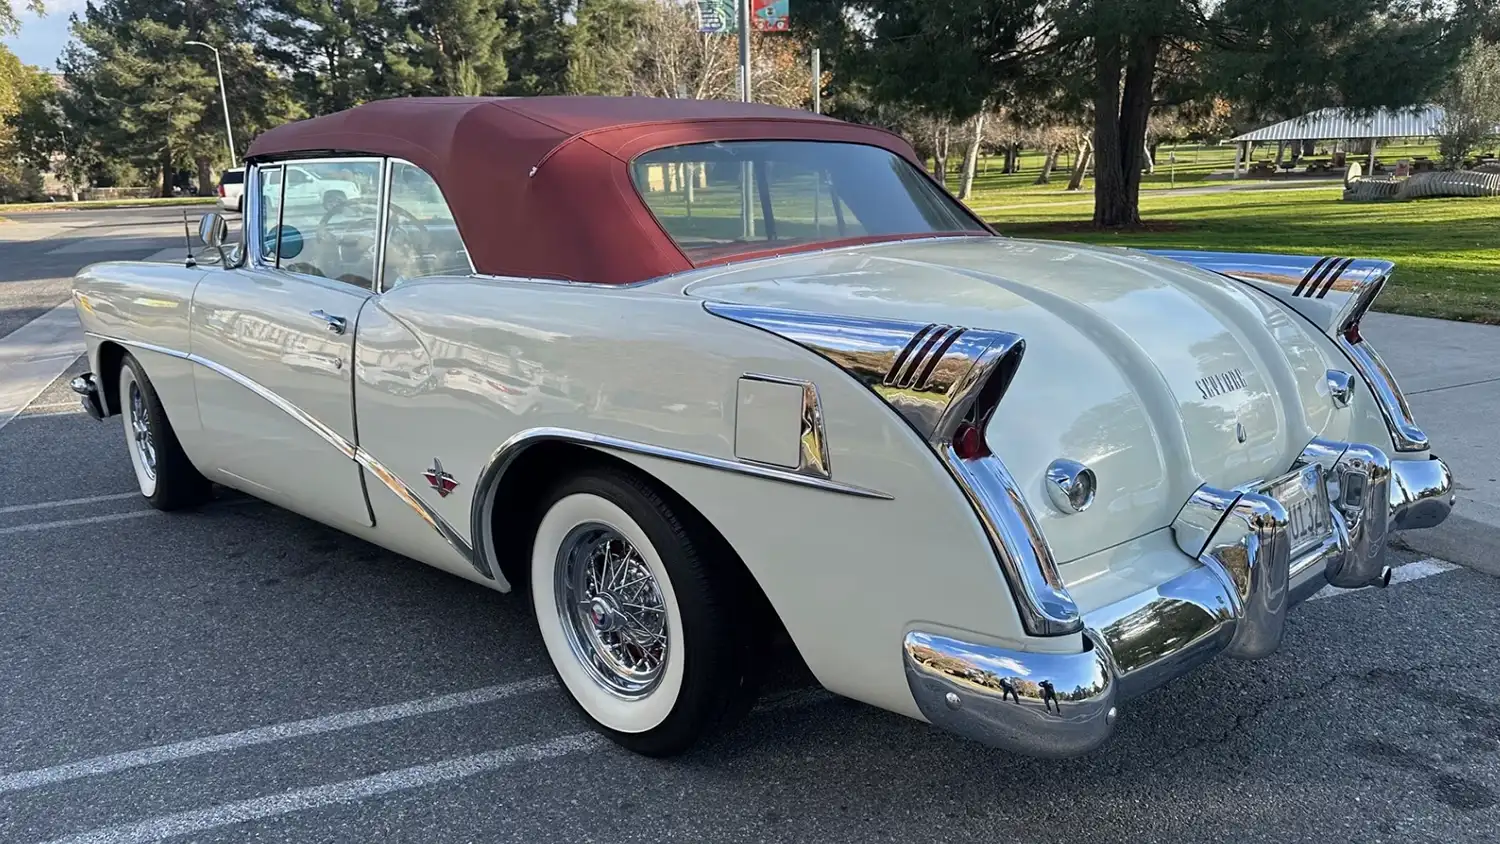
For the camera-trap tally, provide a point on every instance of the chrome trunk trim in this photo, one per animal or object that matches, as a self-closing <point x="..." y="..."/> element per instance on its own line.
<point x="1405" y="434"/>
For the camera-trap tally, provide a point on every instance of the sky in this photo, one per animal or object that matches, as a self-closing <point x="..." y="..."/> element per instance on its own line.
<point x="41" y="40"/>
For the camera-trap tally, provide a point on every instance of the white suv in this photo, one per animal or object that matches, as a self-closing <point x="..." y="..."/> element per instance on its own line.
<point x="232" y="189"/>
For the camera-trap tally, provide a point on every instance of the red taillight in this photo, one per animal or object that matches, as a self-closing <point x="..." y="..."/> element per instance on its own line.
<point x="1351" y="332"/>
<point x="968" y="442"/>
<point x="221" y="190"/>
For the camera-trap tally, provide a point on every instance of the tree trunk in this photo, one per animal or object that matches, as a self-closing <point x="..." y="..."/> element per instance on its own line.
<point x="1151" y="149"/>
<point x="971" y="158"/>
<point x="205" y="176"/>
<point x="1081" y="165"/>
<point x="166" y="171"/>
<point x="1045" y="177"/>
<point x="1120" y="127"/>
<point x="1013" y="158"/>
<point x="942" y="155"/>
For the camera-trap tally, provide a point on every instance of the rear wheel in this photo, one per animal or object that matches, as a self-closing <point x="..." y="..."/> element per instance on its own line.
<point x="650" y="639"/>
<point x="162" y="470"/>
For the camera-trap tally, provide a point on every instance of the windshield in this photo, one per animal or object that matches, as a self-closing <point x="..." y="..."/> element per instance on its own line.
<point x="729" y="197"/>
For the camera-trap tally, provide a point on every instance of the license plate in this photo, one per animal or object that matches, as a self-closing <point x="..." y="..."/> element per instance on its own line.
<point x="1304" y="495"/>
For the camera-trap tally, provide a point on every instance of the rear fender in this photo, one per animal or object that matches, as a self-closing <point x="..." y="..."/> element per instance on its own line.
<point x="1332" y="293"/>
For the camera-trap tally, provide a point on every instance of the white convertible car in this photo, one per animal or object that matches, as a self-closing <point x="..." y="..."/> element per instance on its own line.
<point x="689" y="374"/>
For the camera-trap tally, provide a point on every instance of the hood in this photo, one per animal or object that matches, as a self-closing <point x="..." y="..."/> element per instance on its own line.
<point x="1158" y="376"/>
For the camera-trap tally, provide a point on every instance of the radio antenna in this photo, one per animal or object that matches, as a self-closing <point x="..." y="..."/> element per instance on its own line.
<point x="187" y="236"/>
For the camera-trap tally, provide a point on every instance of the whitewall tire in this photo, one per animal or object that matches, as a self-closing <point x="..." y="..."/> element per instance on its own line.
<point x="163" y="472"/>
<point x="646" y="634"/>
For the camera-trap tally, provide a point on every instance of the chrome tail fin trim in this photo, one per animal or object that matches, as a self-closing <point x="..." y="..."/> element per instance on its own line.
<point x="939" y="379"/>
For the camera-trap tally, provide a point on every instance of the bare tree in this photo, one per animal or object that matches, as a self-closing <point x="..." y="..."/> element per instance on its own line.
<point x="971" y="158"/>
<point x="674" y="59"/>
<point x="1471" y="100"/>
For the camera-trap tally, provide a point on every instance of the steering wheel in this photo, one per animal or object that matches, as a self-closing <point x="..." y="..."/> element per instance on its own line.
<point x="416" y="244"/>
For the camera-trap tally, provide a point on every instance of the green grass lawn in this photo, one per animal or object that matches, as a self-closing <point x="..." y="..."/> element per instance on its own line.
<point x="23" y="207"/>
<point x="1447" y="251"/>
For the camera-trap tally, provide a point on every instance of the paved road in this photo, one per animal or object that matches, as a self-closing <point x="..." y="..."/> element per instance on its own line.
<point x="41" y="250"/>
<point x="242" y="674"/>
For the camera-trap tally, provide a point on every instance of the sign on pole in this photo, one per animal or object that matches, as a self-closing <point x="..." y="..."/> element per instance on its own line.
<point x="771" y="15"/>
<point x="717" y="16"/>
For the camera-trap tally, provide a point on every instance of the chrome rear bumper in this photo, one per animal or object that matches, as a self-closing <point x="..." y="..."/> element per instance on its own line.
<point x="1235" y="602"/>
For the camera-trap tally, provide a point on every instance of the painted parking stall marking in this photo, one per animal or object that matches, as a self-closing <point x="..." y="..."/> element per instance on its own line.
<point x="265" y="735"/>
<point x="349" y="791"/>
<point x="67" y="502"/>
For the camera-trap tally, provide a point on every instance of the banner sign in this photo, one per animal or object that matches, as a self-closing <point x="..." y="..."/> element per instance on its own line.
<point x="717" y="16"/>
<point x="770" y="15"/>
<point x="723" y="15"/>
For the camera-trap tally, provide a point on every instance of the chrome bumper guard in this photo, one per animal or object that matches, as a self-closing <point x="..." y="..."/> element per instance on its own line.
<point x="1235" y="602"/>
<point x="85" y="387"/>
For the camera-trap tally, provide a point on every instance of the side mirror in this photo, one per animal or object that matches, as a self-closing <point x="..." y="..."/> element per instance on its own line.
<point x="213" y="230"/>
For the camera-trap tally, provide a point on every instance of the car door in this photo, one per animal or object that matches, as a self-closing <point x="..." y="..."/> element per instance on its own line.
<point x="275" y="337"/>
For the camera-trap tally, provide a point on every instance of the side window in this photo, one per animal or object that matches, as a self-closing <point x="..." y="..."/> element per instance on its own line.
<point x="268" y="211"/>
<point x="329" y="219"/>
<point x="421" y="237"/>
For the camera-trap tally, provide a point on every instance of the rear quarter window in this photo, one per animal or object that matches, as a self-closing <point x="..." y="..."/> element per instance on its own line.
<point x="232" y="177"/>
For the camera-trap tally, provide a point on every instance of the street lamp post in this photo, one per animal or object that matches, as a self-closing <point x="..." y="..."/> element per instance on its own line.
<point x="223" y="96"/>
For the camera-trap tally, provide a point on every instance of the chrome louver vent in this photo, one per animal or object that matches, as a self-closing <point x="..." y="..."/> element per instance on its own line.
<point x="936" y="376"/>
<point x="1320" y="277"/>
<point x="915" y="365"/>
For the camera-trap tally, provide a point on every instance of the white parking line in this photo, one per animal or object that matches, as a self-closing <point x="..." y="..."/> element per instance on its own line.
<point x="86" y="520"/>
<point x="264" y="735"/>
<point x="32" y="356"/>
<point x="1402" y="574"/>
<point x="274" y="805"/>
<point x="34" y="527"/>
<point x="67" y="502"/>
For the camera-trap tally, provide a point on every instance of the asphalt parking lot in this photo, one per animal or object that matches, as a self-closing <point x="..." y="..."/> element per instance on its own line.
<point x="239" y="673"/>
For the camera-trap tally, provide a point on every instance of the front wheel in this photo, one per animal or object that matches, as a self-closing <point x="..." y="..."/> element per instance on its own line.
<point x="649" y="637"/>
<point x="166" y="477"/>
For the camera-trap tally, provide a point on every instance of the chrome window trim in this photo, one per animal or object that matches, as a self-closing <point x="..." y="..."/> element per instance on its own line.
<point x="813" y="437"/>
<point x="382" y="217"/>
<point x="250" y="221"/>
<point x="284" y="163"/>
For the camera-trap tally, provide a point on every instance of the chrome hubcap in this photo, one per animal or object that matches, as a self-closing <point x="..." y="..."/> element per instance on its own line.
<point x="141" y="430"/>
<point x="612" y="610"/>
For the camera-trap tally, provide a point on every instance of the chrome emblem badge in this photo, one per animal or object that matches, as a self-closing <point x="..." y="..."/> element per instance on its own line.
<point x="440" y="480"/>
<point x="1218" y="385"/>
<point x="1239" y="432"/>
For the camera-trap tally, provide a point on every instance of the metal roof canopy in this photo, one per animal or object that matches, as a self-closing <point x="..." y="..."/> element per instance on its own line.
<point x="1342" y="123"/>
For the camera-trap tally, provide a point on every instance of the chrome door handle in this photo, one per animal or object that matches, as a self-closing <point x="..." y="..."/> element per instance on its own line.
<point x="336" y="324"/>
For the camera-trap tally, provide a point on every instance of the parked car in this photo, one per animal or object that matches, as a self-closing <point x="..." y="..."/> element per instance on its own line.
<point x="232" y="189"/>
<point x="689" y="375"/>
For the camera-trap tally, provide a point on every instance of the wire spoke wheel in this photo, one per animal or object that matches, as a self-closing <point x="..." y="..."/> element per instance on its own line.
<point x="612" y="611"/>
<point x="140" y="429"/>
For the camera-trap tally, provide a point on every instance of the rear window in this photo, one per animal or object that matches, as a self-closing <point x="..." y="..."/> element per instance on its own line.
<point x="727" y="197"/>
<point x="232" y="177"/>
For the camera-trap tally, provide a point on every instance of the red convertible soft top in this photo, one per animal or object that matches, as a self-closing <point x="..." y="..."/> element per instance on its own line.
<point x="540" y="186"/>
